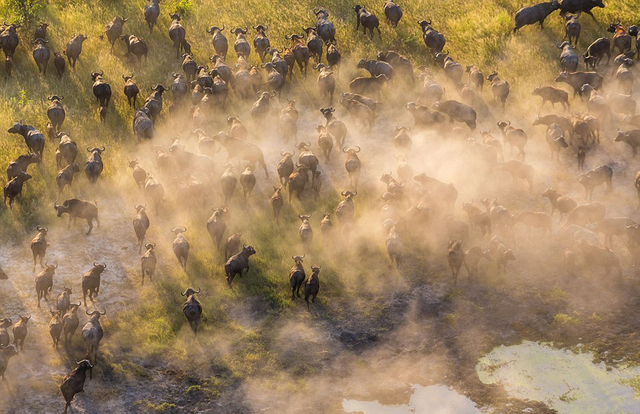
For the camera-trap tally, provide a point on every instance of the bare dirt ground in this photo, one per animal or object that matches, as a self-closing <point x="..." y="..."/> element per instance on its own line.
<point x="40" y="367"/>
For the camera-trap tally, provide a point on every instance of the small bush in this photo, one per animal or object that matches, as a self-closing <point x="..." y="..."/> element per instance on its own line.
<point x="562" y="319"/>
<point x="25" y="10"/>
<point x="183" y="7"/>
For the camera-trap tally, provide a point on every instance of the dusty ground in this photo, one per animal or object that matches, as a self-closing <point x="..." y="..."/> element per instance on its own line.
<point x="414" y="328"/>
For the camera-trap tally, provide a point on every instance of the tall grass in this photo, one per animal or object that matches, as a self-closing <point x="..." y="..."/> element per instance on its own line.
<point x="477" y="31"/>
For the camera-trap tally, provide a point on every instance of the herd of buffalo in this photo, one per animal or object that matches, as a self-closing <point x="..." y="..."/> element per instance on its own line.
<point x="411" y="201"/>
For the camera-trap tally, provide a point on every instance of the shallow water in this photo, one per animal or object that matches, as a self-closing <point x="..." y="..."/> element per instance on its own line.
<point x="432" y="399"/>
<point x="566" y="381"/>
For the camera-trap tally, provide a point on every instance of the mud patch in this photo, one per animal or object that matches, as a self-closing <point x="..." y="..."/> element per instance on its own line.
<point x="564" y="380"/>
<point x="435" y="399"/>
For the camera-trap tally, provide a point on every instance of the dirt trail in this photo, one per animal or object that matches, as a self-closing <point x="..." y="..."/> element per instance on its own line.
<point x="39" y="366"/>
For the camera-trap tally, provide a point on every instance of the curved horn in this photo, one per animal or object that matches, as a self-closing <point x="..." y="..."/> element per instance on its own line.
<point x="87" y="312"/>
<point x="103" y="312"/>
<point x="358" y="149"/>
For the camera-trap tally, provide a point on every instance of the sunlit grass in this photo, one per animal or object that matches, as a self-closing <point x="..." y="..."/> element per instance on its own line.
<point x="477" y="31"/>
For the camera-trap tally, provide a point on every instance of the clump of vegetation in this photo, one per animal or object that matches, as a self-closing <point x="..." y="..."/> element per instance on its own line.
<point x="164" y="407"/>
<point x="26" y="10"/>
<point x="562" y="319"/>
<point x="183" y="7"/>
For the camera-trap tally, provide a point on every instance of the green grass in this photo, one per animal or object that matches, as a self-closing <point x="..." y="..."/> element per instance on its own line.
<point x="561" y="319"/>
<point x="158" y="408"/>
<point x="477" y="31"/>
